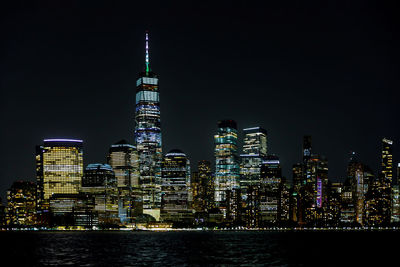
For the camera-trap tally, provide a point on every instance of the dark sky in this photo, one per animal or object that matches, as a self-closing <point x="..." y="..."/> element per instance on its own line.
<point x="324" y="68"/>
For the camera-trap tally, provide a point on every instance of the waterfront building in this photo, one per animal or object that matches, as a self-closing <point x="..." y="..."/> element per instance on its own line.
<point x="21" y="203"/>
<point x="355" y="173"/>
<point x="395" y="216"/>
<point x="303" y="183"/>
<point x="148" y="137"/>
<point x="254" y="152"/>
<point x="348" y="209"/>
<point x="377" y="203"/>
<point x="3" y="220"/>
<point x="124" y="161"/>
<point x="207" y="183"/>
<point x="72" y="210"/>
<point x="59" y="170"/>
<point x="387" y="160"/>
<point x="195" y="187"/>
<point x="298" y="183"/>
<point x="314" y="189"/>
<point x="252" y="208"/>
<point x="233" y="206"/>
<point x="334" y="204"/>
<point x="202" y="187"/>
<point x="99" y="183"/>
<point x="226" y="162"/>
<point x="284" y="202"/>
<point x="175" y="173"/>
<point x="270" y="190"/>
<point x="386" y="179"/>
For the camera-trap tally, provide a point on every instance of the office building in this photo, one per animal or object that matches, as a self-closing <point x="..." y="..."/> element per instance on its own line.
<point x="59" y="169"/>
<point x="21" y="204"/>
<point x="148" y="137"/>
<point x="226" y="162"/>
<point x="270" y="191"/>
<point x="99" y="183"/>
<point x="124" y="161"/>
<point x="175" y="173"/>
<point x="254" y="152"/>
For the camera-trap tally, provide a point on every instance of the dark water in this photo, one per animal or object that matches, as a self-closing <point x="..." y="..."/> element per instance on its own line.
<point x="200" y="248"/>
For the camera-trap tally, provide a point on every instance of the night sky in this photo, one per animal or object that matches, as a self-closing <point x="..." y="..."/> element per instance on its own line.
<point x="330" y="70"/>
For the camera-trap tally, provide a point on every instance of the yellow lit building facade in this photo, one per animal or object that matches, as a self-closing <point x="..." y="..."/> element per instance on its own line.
<point x="59" y="169"/>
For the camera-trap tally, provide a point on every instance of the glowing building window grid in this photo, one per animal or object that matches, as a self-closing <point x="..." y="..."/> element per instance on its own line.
<point x="63" y="170"/>
<point x="147" y="96"/>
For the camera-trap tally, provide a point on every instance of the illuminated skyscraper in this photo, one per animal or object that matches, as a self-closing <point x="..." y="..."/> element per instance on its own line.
<point x="21" y="203"/>
<point x="123" y="159"/>
<point x="99" y="182"/>
<point x="59" y="169"/>
<point x="148" y="137"/>
<point x="270" y="190"/>
<point x="175" y="171"/>
<point x="202" y="186"/>
<point x="226" y="161"/>
<point x="359" y="182"/>
<point x="387" y="160"/>
<point x="386" y="180"/>
<point x="254" y="152"/>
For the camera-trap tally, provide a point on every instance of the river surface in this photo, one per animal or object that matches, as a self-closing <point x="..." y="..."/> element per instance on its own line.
<point x="200" y="248"/>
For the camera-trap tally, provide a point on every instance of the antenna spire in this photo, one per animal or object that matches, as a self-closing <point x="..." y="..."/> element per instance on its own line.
<point x="147" y="60"/>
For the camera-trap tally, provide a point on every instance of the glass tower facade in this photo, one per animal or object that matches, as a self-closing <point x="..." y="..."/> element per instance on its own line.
<point x="175" y="169"/>
<point x="99" y="183"/>
<point x="148" y="137"/>
<point x="227" y="174"/>
<point x="59" y="169"/>
<point x="123" y="158"/>
<point x="254" y="151"/>
<point x="271" y="180"/>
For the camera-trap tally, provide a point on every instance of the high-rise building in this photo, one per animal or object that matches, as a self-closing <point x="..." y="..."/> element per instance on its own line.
<point x="202" y="187"/>
<point x="347" y="209"/>
<point x="21" y="203"/>
<point x="311" y="183"/>
<point x="59" y="169"/>
<point x="226" y="162"/>
<point x="398" y="173"/>
<point x="148" y="137"/>
<point x="395" y="216"/>
<point x="206" y="179"/>
<point x="357" y="175"/>
<point x="378" y="203"/>
<point x="252" y="208"/>
<point x="123" y="158"/>
<point x="175" y="172"/>
<point x="298" y="183"/>
<point x="386" y="180"/>
<point x="99" y="182"/>
<point x="334" y="203"/>
<point x="270" y="190"/>
<point x="233" y="206"/>
<point x="387" y="160"/>
<point x="3" y="220"/>
<point x="254" y="152"/>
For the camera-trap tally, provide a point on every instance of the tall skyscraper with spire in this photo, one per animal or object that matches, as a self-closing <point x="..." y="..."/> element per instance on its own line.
<point x="148" y="137"/>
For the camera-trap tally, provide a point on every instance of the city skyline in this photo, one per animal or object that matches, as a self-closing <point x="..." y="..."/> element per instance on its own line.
<point x="185" y="105"/>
